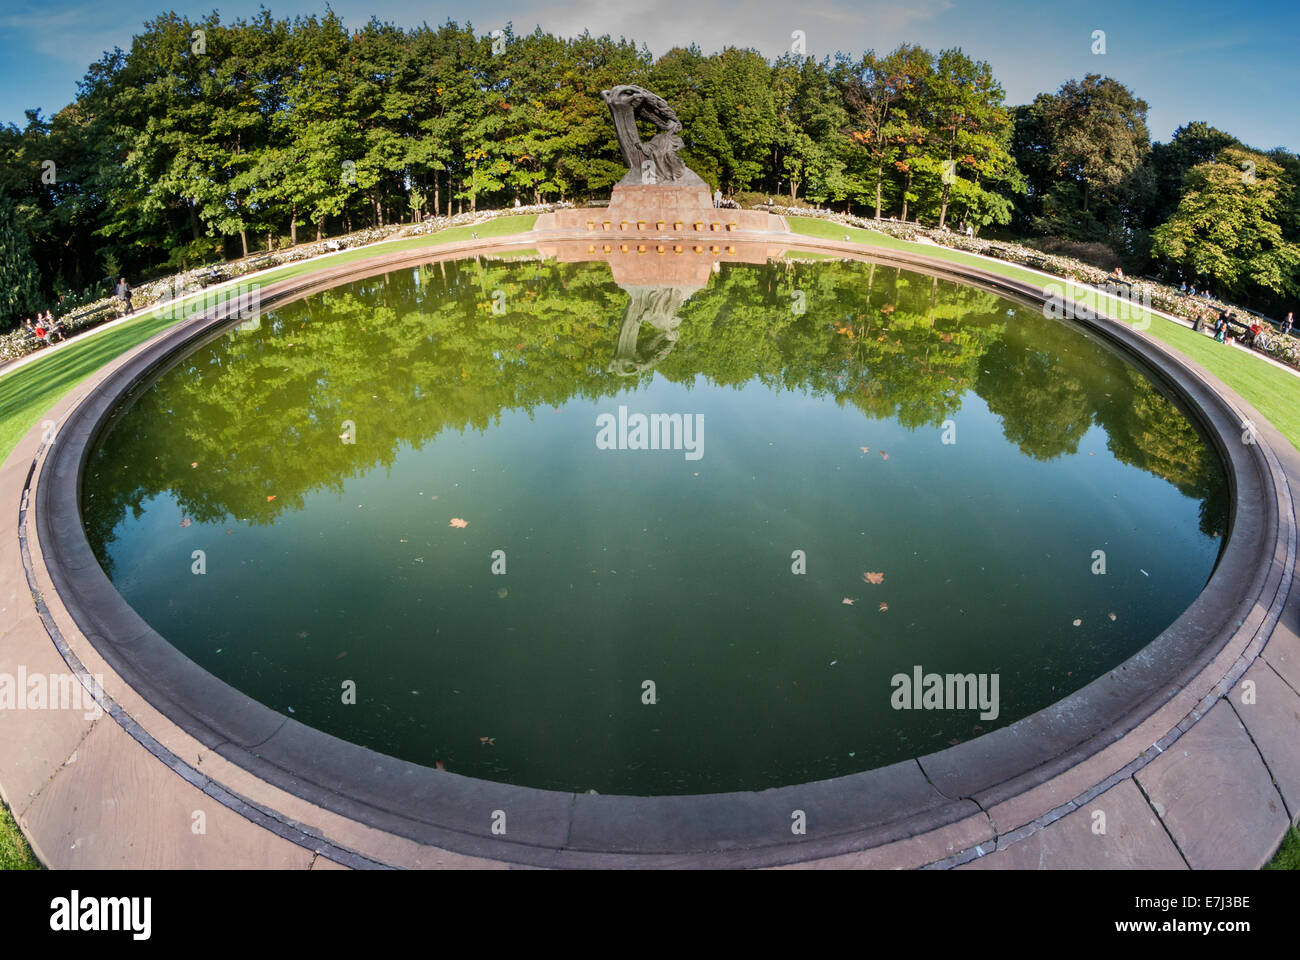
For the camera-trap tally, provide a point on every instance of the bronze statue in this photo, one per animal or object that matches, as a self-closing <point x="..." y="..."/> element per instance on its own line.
<point x="656" y="160"/>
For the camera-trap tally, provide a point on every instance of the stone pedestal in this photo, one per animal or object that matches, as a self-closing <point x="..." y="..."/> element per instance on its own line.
<point x="677" y="210"/>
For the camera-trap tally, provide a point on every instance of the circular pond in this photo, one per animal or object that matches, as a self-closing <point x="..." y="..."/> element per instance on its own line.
<point x="536" y="523"/>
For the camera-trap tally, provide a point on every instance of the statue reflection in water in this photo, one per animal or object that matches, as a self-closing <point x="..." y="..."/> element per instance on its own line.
<point x="658" y="307"/>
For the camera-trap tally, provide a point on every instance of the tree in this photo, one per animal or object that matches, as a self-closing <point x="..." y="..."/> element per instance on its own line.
<point x="1227" y="226"/>
<point x="20" y="291"/>
<point x="875" y="90"/>
<point x="1096" y="138"/>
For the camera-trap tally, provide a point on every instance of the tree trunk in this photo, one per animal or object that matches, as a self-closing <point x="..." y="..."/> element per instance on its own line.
<point x="435" y="193"/>
<point x="907" y="185"/>
<point x="268" y="241"/>
<point x="243" y="241"/>
<point x="320" y="228"/>
<point x="880" y="176"/>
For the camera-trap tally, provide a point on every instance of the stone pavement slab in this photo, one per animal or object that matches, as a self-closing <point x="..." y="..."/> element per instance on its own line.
<point x="1133" y="839"/>
<point x="1273" y="721"/>
<point x="116" y="806"/>
<point x="1214" y="768"/>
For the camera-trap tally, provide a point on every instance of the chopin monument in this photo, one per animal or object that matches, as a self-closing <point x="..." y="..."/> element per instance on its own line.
<point x="659" y="194"/>
<point x="655" y="161"/>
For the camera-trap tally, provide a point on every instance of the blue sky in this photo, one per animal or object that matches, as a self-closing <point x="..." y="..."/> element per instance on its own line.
<point x="1236" y="67"/>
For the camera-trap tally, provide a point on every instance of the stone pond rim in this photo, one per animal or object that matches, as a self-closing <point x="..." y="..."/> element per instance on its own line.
<point x="550" y="828"/>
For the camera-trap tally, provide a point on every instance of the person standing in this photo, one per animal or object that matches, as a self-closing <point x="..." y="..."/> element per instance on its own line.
<point x="123" y="291"/>
<point x="717" y="198"/>
<point x="1290" y="319"/>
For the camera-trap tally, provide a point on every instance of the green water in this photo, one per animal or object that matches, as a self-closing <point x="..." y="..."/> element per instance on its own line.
<point x="474" y="391"/>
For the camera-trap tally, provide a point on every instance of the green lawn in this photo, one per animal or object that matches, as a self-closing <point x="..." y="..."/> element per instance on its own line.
<point x="1275" y="393"/>
<point x="14" y="852"/>
<point x="1288" y="855"/>
<point x="28" y="392"/>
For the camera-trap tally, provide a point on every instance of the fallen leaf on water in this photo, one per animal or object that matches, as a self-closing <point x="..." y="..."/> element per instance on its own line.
<point x="503" y="593"/>
<point x="186" y="522"/>
<point x="194" y="464"/>
<point x="270" y="497"/>
<point x="953" y="742"/>
<point x="884" y="607"/>
<point x="848" y="601"/>
<point x="1078" y="622"/>
<point x="883" y="455"/>
<point x="490" y="741"/>
<point x="438" y="764"/>
<point x="865" y="449"/>
<point x="873" y="578"/>
<point x="1111" y="615"/>
<point x="459" y="523"/>
<point x="341" y="655"/>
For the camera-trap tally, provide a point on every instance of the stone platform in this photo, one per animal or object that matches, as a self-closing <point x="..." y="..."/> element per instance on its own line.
<point x="660" y="208"/>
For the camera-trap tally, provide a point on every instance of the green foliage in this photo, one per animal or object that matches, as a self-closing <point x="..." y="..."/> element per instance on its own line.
<point x="174" y="154"/>
<point x="1227" y="226"/>
<point x="19" y="281"/>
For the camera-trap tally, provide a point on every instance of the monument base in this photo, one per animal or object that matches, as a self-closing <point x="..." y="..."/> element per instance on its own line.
<point x="683" y="207"/>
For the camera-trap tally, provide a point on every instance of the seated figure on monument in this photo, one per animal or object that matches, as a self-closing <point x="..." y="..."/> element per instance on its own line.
<point x="655" y="160"/>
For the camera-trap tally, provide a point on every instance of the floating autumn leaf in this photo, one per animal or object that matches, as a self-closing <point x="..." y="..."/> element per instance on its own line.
<point x="341" y="655"/>
<point x="884" y="607"/>
<point x="865" y="449"/>
<point x="194" y="464"/>
<point x="438" y="765"/>
<point x="186" y="522"/>
<point x="883" y="455"/>
<point x="1078" y="623"/>
<point x="490" y="741"/>
<point x="270" y="497"/>
<point x="873" y="578"/>
<point x="1112" y="616"/>
<point x="459" y="523"/>
<point x="847" y="601"/>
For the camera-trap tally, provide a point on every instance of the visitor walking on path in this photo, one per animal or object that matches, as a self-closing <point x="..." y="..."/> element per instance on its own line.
<point x="1290" y="319"/>
<point x="123" y="290"/>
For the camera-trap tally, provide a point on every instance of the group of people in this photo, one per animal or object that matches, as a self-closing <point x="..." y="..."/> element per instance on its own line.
<point x="45" y="328"/>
